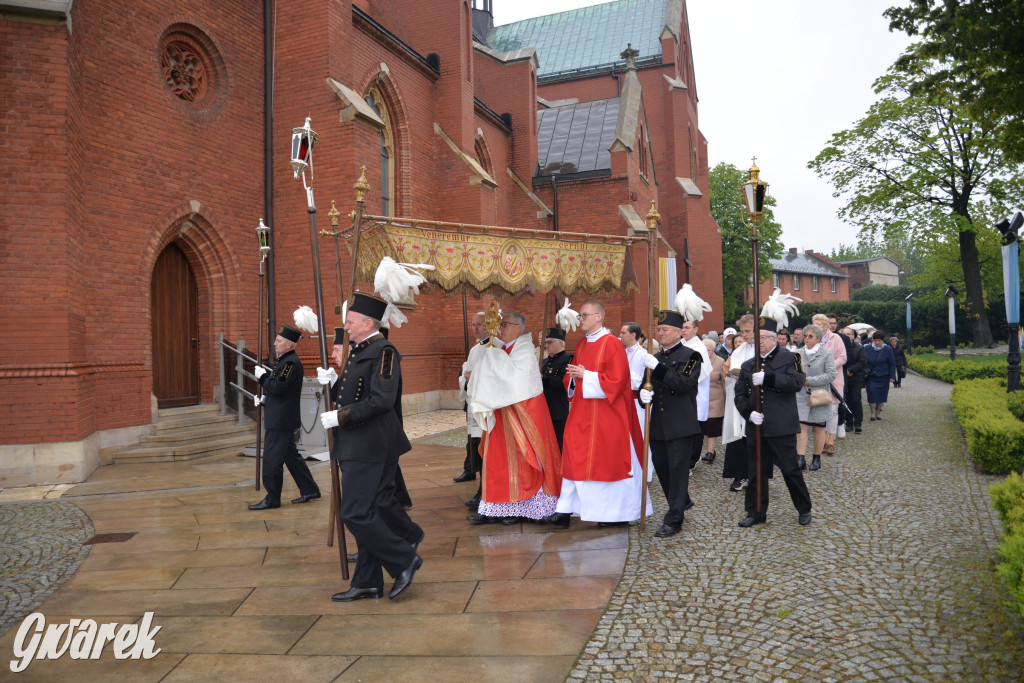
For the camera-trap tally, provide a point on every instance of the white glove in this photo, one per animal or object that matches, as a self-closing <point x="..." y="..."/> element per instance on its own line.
<point x="259" y="372"/>
<point x="329" y="419"/>
<point x="257" y="400"/>
<point x="325" y="377"/>
<point x="646" y="396"/>
<point x="757" y="418"/>
<point x="650" y="362"/>
<point x="758" y="379"/>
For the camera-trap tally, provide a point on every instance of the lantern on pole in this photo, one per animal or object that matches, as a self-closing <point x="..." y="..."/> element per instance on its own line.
<point x="951" y="293"/>
<point x="1009" y="229"/>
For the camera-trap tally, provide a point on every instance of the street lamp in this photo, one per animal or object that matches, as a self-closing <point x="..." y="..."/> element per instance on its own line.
<point x="951" y="293"/>
<point x="263" y="238"/>
<point x="910" y="344"/>
<point x="1008" y="228"/>
<point x="755" y="191"/>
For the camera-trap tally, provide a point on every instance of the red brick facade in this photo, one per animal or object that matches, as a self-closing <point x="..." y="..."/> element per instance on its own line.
<point x="106" y="167"/>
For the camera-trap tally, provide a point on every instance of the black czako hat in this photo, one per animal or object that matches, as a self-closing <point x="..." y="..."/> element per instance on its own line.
<point x="554" y="333"/>
<point x="290" y="333"/>
<point x="368" y="305"/>
<point x="670" y="318"/>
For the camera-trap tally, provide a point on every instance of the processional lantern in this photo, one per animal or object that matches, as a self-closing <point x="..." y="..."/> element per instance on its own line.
<point x="303" y="140"/>
<point x="263" y="236"/>
<point x="755" y="191"/>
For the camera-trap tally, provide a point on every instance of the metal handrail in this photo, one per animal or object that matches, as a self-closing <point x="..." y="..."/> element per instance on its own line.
<point x="241" y="374"/>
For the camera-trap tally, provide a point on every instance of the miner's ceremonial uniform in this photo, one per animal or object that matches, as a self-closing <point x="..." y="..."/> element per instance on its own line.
<point x="282" y="388"/>
<point x="368" y="441"/>
<point x="551" y="374"/>
<point x="674" y="422"/>
<point x="783" y="377"/>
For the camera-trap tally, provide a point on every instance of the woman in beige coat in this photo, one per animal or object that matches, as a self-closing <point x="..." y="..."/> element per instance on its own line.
<point x="819" y="371"/>
<point x="716" y="403"/>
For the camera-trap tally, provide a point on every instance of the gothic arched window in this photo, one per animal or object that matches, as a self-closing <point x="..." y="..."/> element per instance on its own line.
<point x="387" y="148"/>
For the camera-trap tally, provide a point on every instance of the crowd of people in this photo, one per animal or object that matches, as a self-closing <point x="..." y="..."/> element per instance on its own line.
<point x="556" y="434"/>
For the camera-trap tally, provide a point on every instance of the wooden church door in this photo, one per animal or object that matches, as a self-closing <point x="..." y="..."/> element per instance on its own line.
<point x="175" y="300"/>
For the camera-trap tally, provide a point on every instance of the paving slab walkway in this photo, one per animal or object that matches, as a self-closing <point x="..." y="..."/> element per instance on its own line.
<point x="893" y="580"/>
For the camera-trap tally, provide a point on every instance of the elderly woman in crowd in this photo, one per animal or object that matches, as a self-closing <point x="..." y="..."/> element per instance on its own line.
<point x="716" y="403"/>
<point x="819" y="370"/>
<point x="881" y="371"/>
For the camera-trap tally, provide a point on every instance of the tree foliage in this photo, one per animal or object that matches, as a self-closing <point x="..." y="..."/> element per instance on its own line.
<point x="917" y="168"/>
<point x="976" y="47"/>
<point x="729" y="211"/>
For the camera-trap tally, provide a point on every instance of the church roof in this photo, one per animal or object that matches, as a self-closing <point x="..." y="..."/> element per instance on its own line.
<point x="574" y="138"/>
<point x="589" y="37"/>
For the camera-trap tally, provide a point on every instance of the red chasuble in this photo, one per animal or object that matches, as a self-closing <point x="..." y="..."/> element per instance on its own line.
<point x="595" y="446"/>
<point x="521" y="453"/>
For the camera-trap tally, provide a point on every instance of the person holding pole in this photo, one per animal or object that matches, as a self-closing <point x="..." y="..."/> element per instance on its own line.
<point x="370" y="441"/>
<point x="780" y="378"/>
<point x="674" y="430"/>
<point x="282" y="388"/>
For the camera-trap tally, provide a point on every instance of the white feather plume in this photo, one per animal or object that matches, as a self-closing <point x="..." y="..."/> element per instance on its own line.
<point x="393" y="317"/>
<point x="780" y="306"/>
<point x="305" y="319"/>
<point x="566" y="318"/>
<point x="689" y="305"/>
<point x="344" y="311"/>
<point x="393" y="281"/>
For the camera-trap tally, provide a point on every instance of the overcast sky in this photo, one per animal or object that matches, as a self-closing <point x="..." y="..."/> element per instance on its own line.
<point x="817" y="60"/>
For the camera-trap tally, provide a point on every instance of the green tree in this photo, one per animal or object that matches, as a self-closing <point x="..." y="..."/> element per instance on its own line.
<point x="918" y="168"/>
<point x="975" y="46"/>
<point x="729" y="211"/>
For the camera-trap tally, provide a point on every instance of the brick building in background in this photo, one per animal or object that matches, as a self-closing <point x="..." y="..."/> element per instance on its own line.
<point x="145" y="140"/>
<point x="810" y="276"/>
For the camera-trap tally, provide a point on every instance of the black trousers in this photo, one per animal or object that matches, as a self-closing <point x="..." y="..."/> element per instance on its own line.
<point x="777" y="451"/>
<point x="672" y="465"/>
<point x="382" y="529"/>
<point x="559" y="426"/>
<point x="279" y="451"/>
<point x="473" y="461"/>
<point x="853" y="399"/>
<point x="401" y="490"/>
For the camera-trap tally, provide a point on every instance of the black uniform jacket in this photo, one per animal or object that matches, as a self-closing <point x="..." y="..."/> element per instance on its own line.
<point x="783" y="377"/>
<point x="855" y="364"/>
<point x="674" y="408"/>
<point x="282" y="388"/>
<point x="368" y="397"/>
<point x="554" y="390"/>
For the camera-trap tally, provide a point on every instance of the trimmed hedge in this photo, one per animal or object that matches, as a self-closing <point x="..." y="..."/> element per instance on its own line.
<point x="1008" y="500"/>
<point x="1015" y="402"/>
<point x="994" y="436"/>
<point x="951" y="371"/>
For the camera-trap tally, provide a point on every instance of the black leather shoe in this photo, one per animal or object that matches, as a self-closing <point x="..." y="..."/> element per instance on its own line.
<point x="416" y="544"/>
<point x="482" y="519"/>
<point x="357" y="594"/>
<point x="801" y="462"/>
<point x="815" y="463"/>
<point x="305" y="498"/>
<point x="473" y="503"/>
<point x="509" y="521"/>
<point x="805" y="519"/>
<point x="558" y="519"/>
<point x="465" y="476"/>
<point x="667" y="530"/>
<point x="606" y="525"/>
<point x="751" y="520"/>
<point x="352" y="557"/>
<point x="404" y="579"/>
<point x="263" y="505"/>
<point x="709" y="456"/>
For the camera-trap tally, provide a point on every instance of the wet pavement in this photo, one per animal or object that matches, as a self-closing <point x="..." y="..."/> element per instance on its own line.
<point x="893" y="580"/>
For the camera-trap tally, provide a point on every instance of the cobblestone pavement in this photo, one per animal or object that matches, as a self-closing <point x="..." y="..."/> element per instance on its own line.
<point x="41" y="547"/>
<point x="893" y="580"/>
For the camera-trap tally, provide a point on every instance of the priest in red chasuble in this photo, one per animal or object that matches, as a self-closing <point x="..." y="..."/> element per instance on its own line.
<point x="522" y="472"/>
<point x="601" y="475"/>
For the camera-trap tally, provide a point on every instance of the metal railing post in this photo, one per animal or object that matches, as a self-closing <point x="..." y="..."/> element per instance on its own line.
<point x="223" y="376"/>
<point x="240" y="368"/>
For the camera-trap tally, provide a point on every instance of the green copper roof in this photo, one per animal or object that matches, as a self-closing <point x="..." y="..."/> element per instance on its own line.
<point x="587" y="37"/>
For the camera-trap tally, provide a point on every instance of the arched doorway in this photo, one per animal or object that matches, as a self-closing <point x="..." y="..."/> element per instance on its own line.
<point x="175" y="314"/>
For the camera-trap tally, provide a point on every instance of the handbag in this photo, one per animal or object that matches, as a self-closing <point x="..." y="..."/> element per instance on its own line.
<point x="819" y="397"/>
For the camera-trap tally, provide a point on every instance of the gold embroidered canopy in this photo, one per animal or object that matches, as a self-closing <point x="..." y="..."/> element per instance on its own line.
<point x="485" y="257"/>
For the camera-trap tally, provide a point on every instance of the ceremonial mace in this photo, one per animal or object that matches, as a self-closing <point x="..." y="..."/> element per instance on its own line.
<point x="303" y="140"/>
<point x="755" y="191"/>
<point x="653" y="218"/>
<point x="263" y="235"/>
